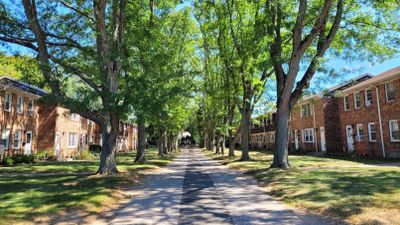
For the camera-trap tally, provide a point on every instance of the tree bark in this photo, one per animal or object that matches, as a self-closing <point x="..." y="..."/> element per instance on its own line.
<point x="141" y="150"/>
<point x="281" y="138"/>
<point x="245" y="124"/>
<point x="108" y="157"/>
<point x="160" y="142"/>
<point x="231" y="139"/>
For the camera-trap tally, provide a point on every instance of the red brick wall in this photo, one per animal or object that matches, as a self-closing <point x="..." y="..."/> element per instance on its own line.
<point x="364" y="115"/>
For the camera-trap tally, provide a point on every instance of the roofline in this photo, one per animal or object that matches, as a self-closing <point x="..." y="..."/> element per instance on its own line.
<point x="335" y="87"/>
<point x="29" y="85"/>
<point x="375" y="81"/>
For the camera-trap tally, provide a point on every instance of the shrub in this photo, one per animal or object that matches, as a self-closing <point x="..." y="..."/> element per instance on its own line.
<point x="85" y="155"/>
<point x="95" y="148"/>
<point x="8" y="161"/>
<point x="41" y="155"/>
<point x="23" y="159"/>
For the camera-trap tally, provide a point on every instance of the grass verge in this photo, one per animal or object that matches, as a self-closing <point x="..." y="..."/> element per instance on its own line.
<point x="39" y="191"/>
<point x="360" y="191"/>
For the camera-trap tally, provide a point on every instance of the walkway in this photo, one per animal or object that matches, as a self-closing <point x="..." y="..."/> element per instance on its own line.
<point x="197" y="190"/>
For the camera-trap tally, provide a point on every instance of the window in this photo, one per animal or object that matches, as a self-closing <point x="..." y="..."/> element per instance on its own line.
<point x="360" y="132"/>
<point x="346" y="103"/>
<point x="74" y="116"/>
<point x="5" y="136"/>
<point x="306" y="110"/>
<point x="394" y="131"/>
<point x="20" y="104"/>
<point x="72" y="140"/>
<point x="368" y="97"/>
<point x="7" y="102"/>
<point x="389" y="90"/>
<point x="371" y="132"/>
<point x="308" y="135"/>
<point x="357" y="100"/>
<point x="31" y="106"/>
<point x="17" y="139"/>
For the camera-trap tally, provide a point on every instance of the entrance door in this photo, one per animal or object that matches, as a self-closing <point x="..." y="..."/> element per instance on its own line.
<point x="28" y="143"/>
<point x="323" y="143"/>
<point x="350" y="141"/>
<point x="296" y="139"/>
<point x="57" y="143"/>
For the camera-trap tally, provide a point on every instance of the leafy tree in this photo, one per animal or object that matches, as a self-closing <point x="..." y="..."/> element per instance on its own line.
<point x="84" y="39"/>
<point x="303" y="34"/>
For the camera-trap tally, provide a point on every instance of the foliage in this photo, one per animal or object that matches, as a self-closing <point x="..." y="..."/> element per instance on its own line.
<point x="8" y="161"/>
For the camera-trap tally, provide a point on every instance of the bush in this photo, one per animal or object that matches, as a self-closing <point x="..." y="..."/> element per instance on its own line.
<point x="95" y="148"/>
<point x="85" y="155"/>
<point x="41" y="155"/>
<point x="8" y="161"/>
<point x="23" y="159"/>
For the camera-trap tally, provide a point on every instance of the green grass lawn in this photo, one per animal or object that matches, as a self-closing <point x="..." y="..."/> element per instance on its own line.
<point x="29" y="192"/>
<point x="354" y="189"/>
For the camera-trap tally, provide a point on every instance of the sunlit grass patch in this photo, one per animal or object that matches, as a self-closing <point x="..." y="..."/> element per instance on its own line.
<point x="345" y="187"/>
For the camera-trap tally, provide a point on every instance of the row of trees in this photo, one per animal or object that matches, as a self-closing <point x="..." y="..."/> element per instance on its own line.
<point x="152" y="59"/>
<point x="246" y="44"/>
<point x="125" y="58"/>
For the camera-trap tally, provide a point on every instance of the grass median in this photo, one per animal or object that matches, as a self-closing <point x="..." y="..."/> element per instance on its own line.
<point x="45" y="189"/>
<point x="361" y="191"/>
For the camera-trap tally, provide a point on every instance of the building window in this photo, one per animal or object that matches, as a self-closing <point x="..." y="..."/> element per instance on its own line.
<point x="368" y="97"/>
<point x="20" y="104"/>
<point x="72" y="140"/>
<point x="389" y="90"/>
<point x="31" y="106"/>
<point x="306" y="110"/>
<point x="371" y="132"/>
<point x="17" y="139"/>
<point x="5" y="136"/>
<point x="7" y="102"/>
<point x="346" y="103"/>
<point x="308" y="135"/>
<point x="357" y="100"/>
<point x="394" y="131"/>
<point x="74" y="116"/>
<point x="360" y="132"/>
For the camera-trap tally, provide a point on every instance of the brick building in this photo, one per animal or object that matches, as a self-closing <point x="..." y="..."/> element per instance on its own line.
<point x="19" y="118"/>
<point x="370" y="116"/>
<point x="361" y="116"/>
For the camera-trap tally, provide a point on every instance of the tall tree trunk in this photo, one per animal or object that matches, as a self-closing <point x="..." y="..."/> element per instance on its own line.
<point x="141" y="150"/>
<point x="281" y="138"/>
<point x="231" y="140"/>
<point x="160" y="142"/>
<point x="246" y="124"/>
<point x="108" y="157"/>
<point x="223" y="145"/>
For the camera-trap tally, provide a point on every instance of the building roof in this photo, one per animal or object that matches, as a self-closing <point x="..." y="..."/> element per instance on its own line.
<point x="377" y="80"/>
<point x="349" y="83"/>
<point x="8" y="81"/>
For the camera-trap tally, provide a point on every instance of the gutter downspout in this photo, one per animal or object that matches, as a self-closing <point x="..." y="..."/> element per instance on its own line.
<point x="380" y="121"/>
<point x="315" y="129"/>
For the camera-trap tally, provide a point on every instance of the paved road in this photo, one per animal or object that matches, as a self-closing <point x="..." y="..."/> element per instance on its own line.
<point x="194" y="189"/>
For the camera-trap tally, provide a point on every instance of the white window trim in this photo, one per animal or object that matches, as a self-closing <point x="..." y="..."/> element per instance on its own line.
<point x="386" y="93"/>
<point x="344" y="103"/>
<point x="390" y="131"/>
<point x="30" y="111"/>
<point x="75" y="141"/>
<point x="8" y="138"/>
<point x="19" y="139"/>
<point x="366" y="98"/>
<point x="9" y="109"/>
<point x="355" y="99"/>
<point x="20" y="110"/>
<point x="369" y="132"/>
<point x="358" y="137"/>
<point x="312" y="135"/>
<point x="301" y="110"/>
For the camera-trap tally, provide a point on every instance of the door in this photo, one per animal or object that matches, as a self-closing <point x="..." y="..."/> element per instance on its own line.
<point x="350" y="140"/>
<point x="296" y="139"/>
<point x="323" y="143"/>
<point x="57" y="142"/>
<point x="28" y="143"/>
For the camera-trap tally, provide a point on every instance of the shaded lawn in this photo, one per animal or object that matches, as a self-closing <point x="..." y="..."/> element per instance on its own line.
<point x="333" y="186"/>
<point x="31" y="191"/>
